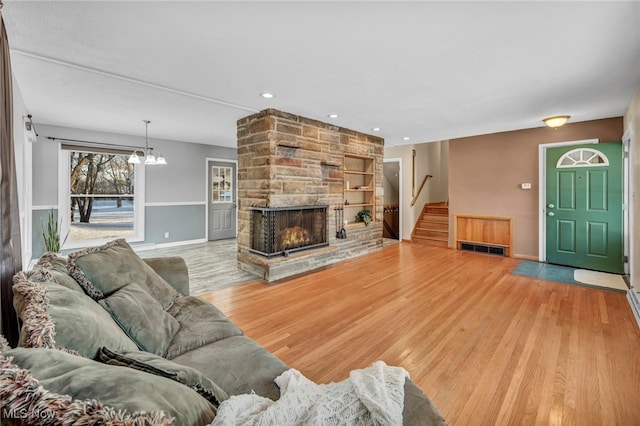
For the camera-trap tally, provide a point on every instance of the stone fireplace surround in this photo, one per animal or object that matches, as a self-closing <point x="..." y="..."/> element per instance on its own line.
<point x="285" y="160"/>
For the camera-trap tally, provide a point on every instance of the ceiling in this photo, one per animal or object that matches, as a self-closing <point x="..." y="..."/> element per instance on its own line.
<point x="420" y="70"/>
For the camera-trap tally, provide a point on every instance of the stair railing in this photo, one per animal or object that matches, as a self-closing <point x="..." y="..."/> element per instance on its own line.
<point x="390" y="230"/>
<point x="426" y="178"/>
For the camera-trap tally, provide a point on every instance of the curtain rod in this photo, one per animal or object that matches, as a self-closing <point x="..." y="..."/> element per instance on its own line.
<point x="98" y="144"/>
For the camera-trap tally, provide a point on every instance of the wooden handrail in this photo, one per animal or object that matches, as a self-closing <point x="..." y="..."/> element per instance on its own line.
<point x="420" y="190"/>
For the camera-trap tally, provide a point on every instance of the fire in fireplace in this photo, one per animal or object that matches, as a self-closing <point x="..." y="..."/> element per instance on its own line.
<point x="284" y="230"/>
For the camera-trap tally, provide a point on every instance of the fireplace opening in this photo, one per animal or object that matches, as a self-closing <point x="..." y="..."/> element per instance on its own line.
<point x="284" y="230"/>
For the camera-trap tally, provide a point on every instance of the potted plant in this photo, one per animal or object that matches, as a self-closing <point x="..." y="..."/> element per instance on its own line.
<point x="364" y="216"/>
<point x="51" y="235"/>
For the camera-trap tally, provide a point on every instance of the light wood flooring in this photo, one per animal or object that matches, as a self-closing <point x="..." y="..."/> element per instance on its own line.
<point x="489" y="347"/>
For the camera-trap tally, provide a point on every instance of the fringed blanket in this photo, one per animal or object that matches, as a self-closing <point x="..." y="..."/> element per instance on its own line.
<point x="371" y="396"/>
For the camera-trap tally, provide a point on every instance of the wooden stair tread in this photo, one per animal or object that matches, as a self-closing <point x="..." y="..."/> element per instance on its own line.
<point x="432" y="227"/>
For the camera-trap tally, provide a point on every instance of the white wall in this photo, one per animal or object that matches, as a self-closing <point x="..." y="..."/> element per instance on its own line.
<point x="632" y="125"/>
<point x="22" y="152"/>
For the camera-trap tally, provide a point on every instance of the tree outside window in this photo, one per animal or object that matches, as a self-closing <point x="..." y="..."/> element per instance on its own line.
<point x="101" y="189"/>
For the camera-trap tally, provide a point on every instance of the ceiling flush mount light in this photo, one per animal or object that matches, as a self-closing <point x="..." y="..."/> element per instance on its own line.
<point x="149" y="158"/>
<point x="376" y="129"/>
<point x="267" y="95"/>
<point x="406" y="138"/>
<point x="556" y="121"/>
<point x="333" y="115"/>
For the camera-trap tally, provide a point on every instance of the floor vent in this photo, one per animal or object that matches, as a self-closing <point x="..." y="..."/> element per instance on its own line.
<point x="482" y="248"/>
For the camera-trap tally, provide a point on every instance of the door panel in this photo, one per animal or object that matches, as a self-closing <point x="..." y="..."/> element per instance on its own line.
<point x="222" y="200"/>
<point x="566" y="191"/>
<point x="597" y="190"/>
<point x="584" y="206"/>
<point x="567" y="236"/>
<point x="597" y="243"/>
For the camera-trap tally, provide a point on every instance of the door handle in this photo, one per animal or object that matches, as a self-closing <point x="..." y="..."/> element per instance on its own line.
<point x="550" y="214"/>
<point x="550" y="206"/>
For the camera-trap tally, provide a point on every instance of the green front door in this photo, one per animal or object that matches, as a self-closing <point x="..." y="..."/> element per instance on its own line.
<point x="584" y="206"/>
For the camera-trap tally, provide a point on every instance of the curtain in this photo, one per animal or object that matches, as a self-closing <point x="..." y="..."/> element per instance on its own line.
<point x="10" y="250"/>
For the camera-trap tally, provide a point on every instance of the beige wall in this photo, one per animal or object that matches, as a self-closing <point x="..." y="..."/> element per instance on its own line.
<point x="632" y="124"/>
<point x="485" y="173"/>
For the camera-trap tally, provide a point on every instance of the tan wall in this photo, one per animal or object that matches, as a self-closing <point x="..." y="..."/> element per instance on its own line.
<point x="485" y="173"/>
<point x="632" y="122"/>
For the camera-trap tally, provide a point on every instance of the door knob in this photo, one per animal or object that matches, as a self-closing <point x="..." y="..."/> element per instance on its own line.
<point x="550" y="214"/>
<point x="550" y="206"/>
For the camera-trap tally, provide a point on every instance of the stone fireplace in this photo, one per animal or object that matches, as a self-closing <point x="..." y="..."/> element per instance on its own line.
<point x="289" y="163"/>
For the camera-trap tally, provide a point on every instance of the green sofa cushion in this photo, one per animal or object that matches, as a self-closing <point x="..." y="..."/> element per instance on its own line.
<point x="200" y="323"/>
<point x="154" y="364"/>
<point x="238" y="364"/>
<point x="54" y="316"/>
<point x="103" y="270"/>
<point x="45" y="382"/>
<point x="142" y="318"/>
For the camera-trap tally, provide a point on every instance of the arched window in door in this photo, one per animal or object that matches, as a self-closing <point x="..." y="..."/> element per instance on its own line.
<point x="582" y="157"/>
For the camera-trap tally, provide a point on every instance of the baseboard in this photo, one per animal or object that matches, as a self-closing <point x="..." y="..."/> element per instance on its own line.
<point x="152" y="246"/>
<point x="525" y="257"/>
<point x="632" y="296"/>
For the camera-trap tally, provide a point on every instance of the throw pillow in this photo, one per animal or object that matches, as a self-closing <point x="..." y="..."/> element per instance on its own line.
<point x="142" y="318"/>
<point x="57" y="267"/>
<point x="102" y="270"/>
<point x="154" y="364"/>
<point x="54" y="316"/>
<point x="44" y="386"/>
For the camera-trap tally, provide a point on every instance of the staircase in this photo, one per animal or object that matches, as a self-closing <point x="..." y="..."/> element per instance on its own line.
<point x="432" y="227"/>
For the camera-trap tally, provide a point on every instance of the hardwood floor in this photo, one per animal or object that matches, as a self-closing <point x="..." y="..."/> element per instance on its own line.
<point x="487" y="346"/>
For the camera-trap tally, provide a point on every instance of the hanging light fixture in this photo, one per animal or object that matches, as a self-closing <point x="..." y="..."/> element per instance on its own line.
<point x="149" y="158"/>
<point x="556" y="121"/>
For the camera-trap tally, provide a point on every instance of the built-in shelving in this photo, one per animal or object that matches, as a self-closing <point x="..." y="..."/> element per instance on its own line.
<point x="359" y="185"/>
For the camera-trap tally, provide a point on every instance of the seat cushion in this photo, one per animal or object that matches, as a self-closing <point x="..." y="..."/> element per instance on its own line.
<point x="54" y="316"/>
<point x="200" y="323"/>
<point x="105" y="269"/>
<point x="142" y="318"/>
<point x="237" y="364"/>
<point x="74" y="390"/>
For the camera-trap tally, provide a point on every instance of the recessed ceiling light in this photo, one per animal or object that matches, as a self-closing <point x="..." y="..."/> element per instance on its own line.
<point x="333" y="115"/>
<point x="406" y="138"/>
<point x="376" y="129"/>
<point x="267" y="95"/>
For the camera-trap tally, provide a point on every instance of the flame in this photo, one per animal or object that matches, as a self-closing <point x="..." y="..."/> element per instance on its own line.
<point x="293" y="237"/>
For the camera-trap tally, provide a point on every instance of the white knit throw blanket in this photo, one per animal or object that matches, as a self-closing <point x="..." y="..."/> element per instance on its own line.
<point x="371" y="396"/>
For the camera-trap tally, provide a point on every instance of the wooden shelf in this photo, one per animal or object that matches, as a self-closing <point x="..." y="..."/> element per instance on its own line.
<point x="359" y="171"/>
<point x="355" y="172"/>
<point x="358" y="205"/>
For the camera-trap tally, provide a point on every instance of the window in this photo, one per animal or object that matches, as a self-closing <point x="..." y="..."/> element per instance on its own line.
<point x="102" y="195"/>
<point x="582" y="157"/>
<point x="221" y="184"/>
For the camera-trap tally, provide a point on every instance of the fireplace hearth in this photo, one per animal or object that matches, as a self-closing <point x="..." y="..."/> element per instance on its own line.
<point x="284" y="230"/>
